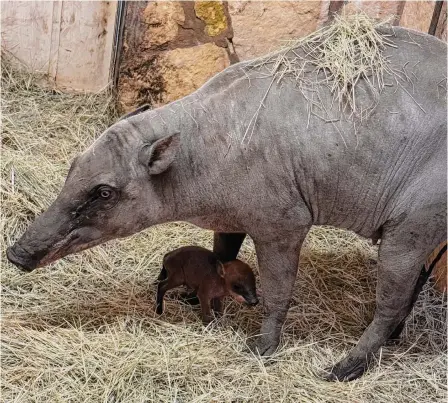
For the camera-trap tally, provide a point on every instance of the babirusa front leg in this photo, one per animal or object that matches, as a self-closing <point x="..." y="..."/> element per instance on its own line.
<point x="278" y="264"/>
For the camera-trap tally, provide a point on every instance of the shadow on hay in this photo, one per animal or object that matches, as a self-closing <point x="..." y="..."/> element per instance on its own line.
<point x="323" y="299"/>
<point x="334" y="298"/>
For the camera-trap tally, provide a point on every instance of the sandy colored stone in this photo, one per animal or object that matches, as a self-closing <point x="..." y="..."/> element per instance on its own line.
<point x="441" y="25"/>
<point x="127" y="97"/>
<point x="260" y="26"/>
<point x="185" y="70"/>
<point x="374" y="9"/>
<point x="417" y="15"/>
<point x="163" y="19"/>
<point x="212" y="13"/>
<point x="170" y="75"/>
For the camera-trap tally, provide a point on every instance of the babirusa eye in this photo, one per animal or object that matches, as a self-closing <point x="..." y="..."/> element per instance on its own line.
<point x="105" y="192"/>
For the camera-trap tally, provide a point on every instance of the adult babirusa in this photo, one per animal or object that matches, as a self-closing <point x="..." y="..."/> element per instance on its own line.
<point x="385" y="174"/>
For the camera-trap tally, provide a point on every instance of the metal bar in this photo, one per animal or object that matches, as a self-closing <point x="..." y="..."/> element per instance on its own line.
<point x="435" y="17"/>
<point x="118" y="41"/>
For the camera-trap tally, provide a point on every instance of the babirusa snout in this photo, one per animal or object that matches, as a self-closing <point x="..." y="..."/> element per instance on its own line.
<point x="40" y="240"/>
<point x="21" y="258"/>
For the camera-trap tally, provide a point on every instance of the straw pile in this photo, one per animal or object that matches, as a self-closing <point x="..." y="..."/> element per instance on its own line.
<point x="337" y="56"/>
<point x="84" y="330"/>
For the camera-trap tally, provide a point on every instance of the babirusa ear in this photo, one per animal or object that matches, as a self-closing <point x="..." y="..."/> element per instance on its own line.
<point x="158" y="156"/>
<point x="221" y="269"/>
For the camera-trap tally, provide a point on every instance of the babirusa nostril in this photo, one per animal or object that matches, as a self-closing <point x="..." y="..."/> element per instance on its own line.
<point x="15" y="257"/>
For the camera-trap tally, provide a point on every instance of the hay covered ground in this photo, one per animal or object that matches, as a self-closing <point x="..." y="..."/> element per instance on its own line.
<point x="84" y="329"/>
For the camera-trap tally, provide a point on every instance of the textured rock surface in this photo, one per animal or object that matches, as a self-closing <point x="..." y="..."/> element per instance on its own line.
<point x="212" y="13"/>
<point x="163" y="19"/>
<point x="417" y="15"/>
<point x="170" y="75"/>
<point x="185" y="70"/>
<point x="441" y="31"/>
<point x="375" y="9"/>
<point x="259" y="26"/>
<point x="442" y="24"/>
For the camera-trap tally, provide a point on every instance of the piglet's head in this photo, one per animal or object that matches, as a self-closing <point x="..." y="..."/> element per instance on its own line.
<point x="114" y="189"/>
<point x="240" y="281"/>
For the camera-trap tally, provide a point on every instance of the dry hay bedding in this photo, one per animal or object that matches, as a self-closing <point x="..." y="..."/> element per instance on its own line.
<point x="84" y="329"/>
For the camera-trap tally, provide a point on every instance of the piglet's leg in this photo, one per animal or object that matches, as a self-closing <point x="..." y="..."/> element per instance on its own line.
<point x="207" y="315"/>
<point x="217" y="306"/>
<point x="163" y="287"/>
<point x="163" y="274"/>
<point x="189" y="297"/>
<point x="278" y="264"/>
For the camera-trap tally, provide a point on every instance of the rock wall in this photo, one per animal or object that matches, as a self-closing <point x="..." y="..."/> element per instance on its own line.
<point x="377" y="9"/>
<point x="441" y="31"/>
<point x="417" y="15"/>
<point x="171" y="48"/>
<point x="258" y="26"/>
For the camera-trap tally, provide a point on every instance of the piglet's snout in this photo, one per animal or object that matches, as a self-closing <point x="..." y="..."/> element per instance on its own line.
<point x="239" y="298"/>
<point x="251" y="300"/>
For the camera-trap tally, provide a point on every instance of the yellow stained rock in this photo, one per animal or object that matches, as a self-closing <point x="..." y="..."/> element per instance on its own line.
<point x="212" y="13"/>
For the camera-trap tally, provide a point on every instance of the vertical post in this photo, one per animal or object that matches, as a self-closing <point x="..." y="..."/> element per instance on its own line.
<point x="435" y="17"/>
<point x="118" y="42"/>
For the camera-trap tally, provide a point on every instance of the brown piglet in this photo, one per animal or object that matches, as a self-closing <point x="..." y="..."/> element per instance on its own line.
<point x="199" y="269"/>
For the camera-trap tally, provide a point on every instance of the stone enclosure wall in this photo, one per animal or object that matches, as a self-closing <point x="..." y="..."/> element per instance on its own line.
<point x="171" y="48"/>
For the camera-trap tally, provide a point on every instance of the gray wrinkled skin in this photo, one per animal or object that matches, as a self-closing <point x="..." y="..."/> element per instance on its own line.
<point x="185" y="161"/>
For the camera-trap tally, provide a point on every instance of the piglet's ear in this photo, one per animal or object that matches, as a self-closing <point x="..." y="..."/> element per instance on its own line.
<point x="221" y="269"/>
<point x="158" y="156"/>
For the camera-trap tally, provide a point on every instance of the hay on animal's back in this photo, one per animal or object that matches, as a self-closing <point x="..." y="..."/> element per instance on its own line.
<point x="336" y="56"/>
